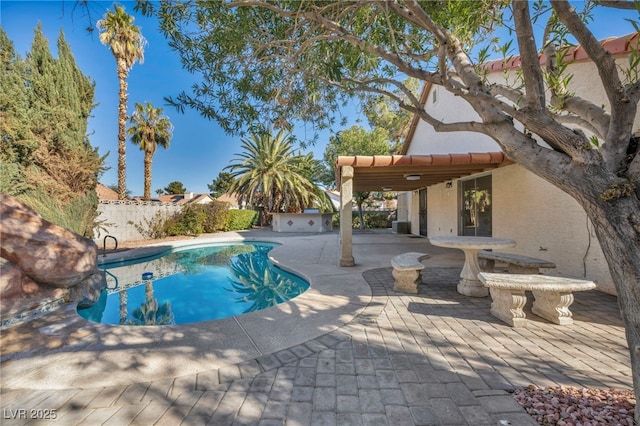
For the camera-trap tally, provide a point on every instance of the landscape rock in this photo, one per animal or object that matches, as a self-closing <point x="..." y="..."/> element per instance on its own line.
<point x="14" y="282"/>
<point x="45" y="252"/>
<point x="88" y="291"/>
<point x="20" y="294"/>
<point x="44" y="262"/>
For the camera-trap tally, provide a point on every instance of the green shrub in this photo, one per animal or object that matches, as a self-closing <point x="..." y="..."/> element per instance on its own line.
<point x="240" y="219"/>
<point x="376" y="220"/>
<point x="153" y="228"/>
<point x="190" y="221"/>
<point x="335" y="221"/>
<point x="216" y="214"/>
<point x="371" y="220"/>
<point x="196" y="219"/>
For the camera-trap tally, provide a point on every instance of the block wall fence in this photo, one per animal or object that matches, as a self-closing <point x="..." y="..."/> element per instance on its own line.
<point x="118" y="218"/>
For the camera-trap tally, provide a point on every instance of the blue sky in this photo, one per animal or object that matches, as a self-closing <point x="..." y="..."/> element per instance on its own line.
<point x="199" y="149"/>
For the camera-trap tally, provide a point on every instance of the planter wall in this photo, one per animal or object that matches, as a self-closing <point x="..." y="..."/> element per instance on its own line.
<point x="302" y="222"/>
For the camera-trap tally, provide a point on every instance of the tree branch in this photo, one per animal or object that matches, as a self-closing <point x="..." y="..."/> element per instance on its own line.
<point x="533" y="80"/>
<point x="509" y="93"/>
<point x="373" y="86"/>
<point x="577" y="121"/>
<point x="615" y="147"/>
<point x="596" y="118"/>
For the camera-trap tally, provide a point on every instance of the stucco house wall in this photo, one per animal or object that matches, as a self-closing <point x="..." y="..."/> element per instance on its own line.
<point x="404" y="205"/>
<point x="547" y="223"/>
<point x="449" y="109"/>
<point x="442" y="210"/>
<point x="544" y="221"/>
<point x="413" y="214"/>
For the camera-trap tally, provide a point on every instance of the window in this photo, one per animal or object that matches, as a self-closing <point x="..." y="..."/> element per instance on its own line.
<point x="476" y="207"/>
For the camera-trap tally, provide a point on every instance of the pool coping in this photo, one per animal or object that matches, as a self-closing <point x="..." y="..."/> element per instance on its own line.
<point x="148" y="353"/>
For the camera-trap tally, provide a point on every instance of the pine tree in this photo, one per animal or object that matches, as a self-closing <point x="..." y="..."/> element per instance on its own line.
<point x="12" y="117"/>
<point x="47" y="159"/>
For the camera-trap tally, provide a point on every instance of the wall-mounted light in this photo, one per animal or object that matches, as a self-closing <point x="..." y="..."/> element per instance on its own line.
<point x="413" y="177"/>
<point x="386" y="188"/>
<point x="449" y="184"/>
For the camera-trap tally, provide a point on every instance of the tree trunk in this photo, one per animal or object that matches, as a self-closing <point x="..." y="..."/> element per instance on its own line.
<point x="148" y="290"/>
<point x="122" y="123"/>
<point x="616" y="221"/>
<point x="614" y="214"/>
<point x="617" y="226"/>
<point x="148" y="156"/>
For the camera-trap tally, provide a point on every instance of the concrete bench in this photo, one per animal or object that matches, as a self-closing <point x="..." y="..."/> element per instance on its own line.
<point x="516" y="263"/>
<point x="552" y="296"/>
<point x="406" y="271"/>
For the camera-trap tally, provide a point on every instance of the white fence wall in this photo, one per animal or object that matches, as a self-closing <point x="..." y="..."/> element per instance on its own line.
<point x="118" y="218"/>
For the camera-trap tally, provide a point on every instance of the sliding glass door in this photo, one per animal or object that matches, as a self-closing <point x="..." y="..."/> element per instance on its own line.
<point x="476" y="207"/>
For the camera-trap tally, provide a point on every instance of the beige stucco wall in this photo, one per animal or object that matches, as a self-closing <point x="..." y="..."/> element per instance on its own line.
<point x="404" y="206"/>
<point x="414" y="213"/>
<point x="547" y="223"/>
<point x="544" y="221"/>
<point x="120" y="219"/>
<point x="449" y="108"/>
<point x="442" y="210"/>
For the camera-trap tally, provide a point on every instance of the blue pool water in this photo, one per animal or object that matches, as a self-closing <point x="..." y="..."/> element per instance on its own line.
<point x="192" y="285"/>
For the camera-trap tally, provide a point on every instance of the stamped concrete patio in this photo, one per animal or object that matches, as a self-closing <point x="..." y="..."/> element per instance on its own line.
<point x="348" y="351"/>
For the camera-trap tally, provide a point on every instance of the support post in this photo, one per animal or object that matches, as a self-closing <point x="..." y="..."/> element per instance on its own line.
<point x="346" y="216"/>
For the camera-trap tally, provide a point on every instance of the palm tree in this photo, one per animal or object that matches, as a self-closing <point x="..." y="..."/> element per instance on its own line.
<point x="257" y="281"/>
<point x="269" y="173"/>
<point x="150" y="312"/>
<point x="127" y="45"/>
<point x="149" y="129"/>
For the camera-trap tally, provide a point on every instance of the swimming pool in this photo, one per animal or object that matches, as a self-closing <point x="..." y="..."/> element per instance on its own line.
<point x="194" y="284"/>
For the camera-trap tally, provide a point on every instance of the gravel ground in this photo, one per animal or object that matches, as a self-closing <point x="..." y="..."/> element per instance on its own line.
<point x="578" y="407"/>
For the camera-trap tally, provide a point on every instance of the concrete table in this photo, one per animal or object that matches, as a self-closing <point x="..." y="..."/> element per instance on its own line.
<point x="469" y="284"/>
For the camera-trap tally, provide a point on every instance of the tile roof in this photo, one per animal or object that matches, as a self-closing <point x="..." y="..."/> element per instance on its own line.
<point x="228" y="198"/>
<point x="614" y="45"/>
<point x="106" y="193"/>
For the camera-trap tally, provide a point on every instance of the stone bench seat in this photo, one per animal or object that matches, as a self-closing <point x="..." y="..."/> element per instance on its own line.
<point x="516" y="263"/>
<point x="406" y="271"/>
<point x="552" y="296"/>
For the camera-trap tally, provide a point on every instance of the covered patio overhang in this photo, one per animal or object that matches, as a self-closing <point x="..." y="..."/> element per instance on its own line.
<point x="399" y="173"/>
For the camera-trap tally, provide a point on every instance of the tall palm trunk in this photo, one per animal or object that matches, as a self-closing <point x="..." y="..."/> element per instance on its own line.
<point x="148" y="290"/>
<point x="148" y="158"/>
<point x="122" y="123"/>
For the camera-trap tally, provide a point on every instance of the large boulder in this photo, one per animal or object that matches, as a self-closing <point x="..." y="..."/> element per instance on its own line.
<point x="44" y="251"/>
<point x="44" y="260"/>
<point x="19" y="294"/>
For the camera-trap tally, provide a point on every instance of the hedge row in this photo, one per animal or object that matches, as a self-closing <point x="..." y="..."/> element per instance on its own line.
<point x="197" y="219"/>
<point x="372" y="220"/>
